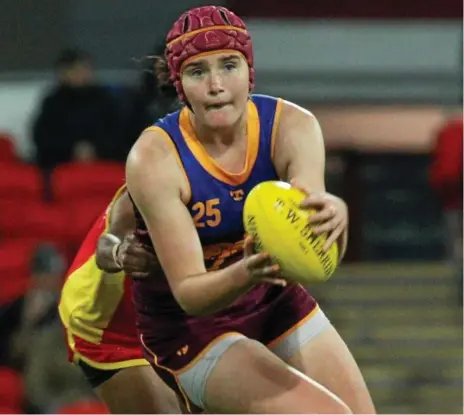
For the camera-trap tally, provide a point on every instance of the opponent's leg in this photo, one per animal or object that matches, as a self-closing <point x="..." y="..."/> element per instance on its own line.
<point x="137" y="390"/>
<point x="248" y="378"/>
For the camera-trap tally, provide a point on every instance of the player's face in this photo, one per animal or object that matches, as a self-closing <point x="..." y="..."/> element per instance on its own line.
<point x="216" y="87"/>
<point x="79" y="74"/>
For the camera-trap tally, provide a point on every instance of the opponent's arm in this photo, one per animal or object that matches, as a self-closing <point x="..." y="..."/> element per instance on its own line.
<point x="122" y="222"/>
<point x="160" y="191"/>
<point x="300" y="159"/>
<point x="118" y="249"/>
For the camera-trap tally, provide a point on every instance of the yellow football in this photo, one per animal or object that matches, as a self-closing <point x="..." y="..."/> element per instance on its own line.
<point x="272" y="216"/>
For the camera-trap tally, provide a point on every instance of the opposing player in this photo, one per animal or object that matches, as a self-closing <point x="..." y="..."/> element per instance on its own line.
<point x="97" y="311"/>
<point x="222" y="327"/>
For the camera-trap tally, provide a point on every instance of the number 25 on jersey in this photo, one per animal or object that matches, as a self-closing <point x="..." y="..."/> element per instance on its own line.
<point x="206" y="213"/>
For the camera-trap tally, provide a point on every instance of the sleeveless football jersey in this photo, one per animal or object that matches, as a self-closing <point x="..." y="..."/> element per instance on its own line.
<point x="216" y="206"/>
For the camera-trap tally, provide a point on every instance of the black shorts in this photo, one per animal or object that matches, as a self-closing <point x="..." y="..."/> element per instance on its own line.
<point x="96" y="376"/>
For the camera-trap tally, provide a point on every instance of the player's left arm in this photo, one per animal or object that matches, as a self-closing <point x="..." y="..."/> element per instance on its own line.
<point x="299" y="158"/>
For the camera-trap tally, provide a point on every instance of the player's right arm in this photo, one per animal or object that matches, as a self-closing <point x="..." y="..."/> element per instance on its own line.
<point x="160" y="191"/>
<point x="121" y="223"/>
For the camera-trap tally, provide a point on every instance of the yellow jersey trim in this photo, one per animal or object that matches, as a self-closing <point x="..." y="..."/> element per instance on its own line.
<point x="208" y="162"/>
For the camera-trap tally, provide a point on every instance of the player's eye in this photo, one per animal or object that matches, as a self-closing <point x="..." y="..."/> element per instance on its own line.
<point x="197" y="72"/>
<point x="230" y="66"/>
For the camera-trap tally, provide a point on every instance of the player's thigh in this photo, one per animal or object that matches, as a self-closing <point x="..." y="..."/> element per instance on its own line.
<point x="326" y="359"/>
<point x="137" y="389"/>
<point x="248" y="378"/>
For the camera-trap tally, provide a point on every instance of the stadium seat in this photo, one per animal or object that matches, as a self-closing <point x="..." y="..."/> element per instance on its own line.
<point x="77" y="181"/>
<point x="84" y="406"/>
<point x="20" y="182"/>
<point x="5" y="409"/>
<point x="35" y="220"/>
<point x="15" y="257"/>
<point x="7" y="149"/>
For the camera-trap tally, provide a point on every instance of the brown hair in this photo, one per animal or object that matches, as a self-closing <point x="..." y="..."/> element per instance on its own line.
<point x="162" y="74"/>
<point x="155" y="74"/>
<point x="154" y="80"/>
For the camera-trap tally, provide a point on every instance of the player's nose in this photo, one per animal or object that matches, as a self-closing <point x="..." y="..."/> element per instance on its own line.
<point x="215" y="84"/>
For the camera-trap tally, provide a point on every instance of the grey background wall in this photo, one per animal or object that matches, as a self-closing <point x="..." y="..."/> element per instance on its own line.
<point x="319" y="60"/>
<point x="32" y="32"/>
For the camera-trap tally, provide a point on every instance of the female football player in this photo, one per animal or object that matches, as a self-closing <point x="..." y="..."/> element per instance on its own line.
<point x="222" y="327"/>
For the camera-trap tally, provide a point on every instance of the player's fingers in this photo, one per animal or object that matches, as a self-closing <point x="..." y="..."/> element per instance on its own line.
<point x="129" y="268"/>
<point x="257" y="261"/>
<point x="141" y="256"/>
<point x="248" y="246"/>
<point x="315" y="201"/>
<point x="324" y="215"/>
<point x="275" y="281"/>
<point x="266" y="271"/>
<point x="333" y="237"/>
<point x="130" y="237"/>
<point x="135" y="262"/>
<point x="328" y="226"/>
<point x="122" y="257"/>
<point x="136" y="249"/>
<point x="144" y="263"/>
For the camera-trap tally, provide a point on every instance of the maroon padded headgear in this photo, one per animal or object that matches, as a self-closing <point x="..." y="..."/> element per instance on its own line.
<point x="201" y="31"/>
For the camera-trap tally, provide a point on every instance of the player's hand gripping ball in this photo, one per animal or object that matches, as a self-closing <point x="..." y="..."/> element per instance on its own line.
<point x="273" y="217"/>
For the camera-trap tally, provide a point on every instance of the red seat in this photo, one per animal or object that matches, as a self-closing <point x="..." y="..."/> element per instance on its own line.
<point x="7" y="149"/>
<point x="77" y="181"/>
<point x="12" y="391"/>
<point x="84" y="406"/>
<point x="36" y="220"/>
<point x="15" y="258"/>
<point x="83" y="215"/>
<point x="20" y="182"/>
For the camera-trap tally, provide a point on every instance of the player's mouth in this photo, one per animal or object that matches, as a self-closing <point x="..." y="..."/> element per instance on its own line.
<point x="217" y="106"/>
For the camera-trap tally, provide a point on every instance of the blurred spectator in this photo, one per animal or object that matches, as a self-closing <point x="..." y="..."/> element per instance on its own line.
<point x="84" y="152"/>
<point x="23" y="319"/>
<point x="76" y="111"/>
<point x="150" y="101"/>
<point x="50" y="380"/>
<point x="47" y="269"/>
<point x="446" y="178"/>
<point x="38" y="308"/>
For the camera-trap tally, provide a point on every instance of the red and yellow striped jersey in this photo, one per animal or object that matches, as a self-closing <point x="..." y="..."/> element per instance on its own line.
<point x="96" y="307"/>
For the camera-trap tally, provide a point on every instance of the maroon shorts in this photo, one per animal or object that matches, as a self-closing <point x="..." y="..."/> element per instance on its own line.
<point x="277" y="317"/>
